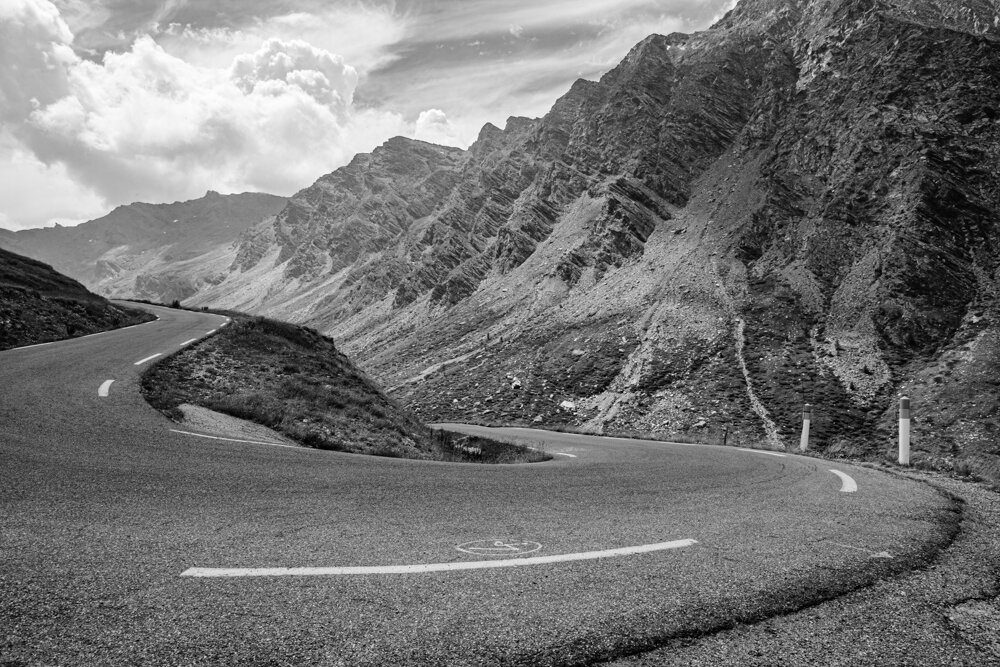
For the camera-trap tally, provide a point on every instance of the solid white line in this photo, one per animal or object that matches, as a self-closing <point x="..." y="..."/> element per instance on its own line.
<point x="188" y="342"/>
<point x="572" y="456"/>
<point x="142" y="361"/>
<point x="848" y="485"/>
<point x="428" y="567"/>
<point x="104" y="388"/>
<point x="51" y="342"/>
<point x="99" y="333"/>
<point x="252" y="442"/>
<point x="761" y="451"/>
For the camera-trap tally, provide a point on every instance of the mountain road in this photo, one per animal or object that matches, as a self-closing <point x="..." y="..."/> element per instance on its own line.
<point x="123" y="541"/>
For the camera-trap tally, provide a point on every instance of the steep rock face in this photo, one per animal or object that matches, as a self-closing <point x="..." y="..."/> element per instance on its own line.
<point x="152" y="251"/>
<point x="631" y="141"/>
<point x="797" y="205"/>
<point x="361" y="208"/>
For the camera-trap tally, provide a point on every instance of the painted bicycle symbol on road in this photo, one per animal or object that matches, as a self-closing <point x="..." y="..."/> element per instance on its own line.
<point x="498" y="548"/>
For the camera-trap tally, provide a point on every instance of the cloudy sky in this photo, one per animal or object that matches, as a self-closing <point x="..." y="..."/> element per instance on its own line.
<point x="104" y="102"/>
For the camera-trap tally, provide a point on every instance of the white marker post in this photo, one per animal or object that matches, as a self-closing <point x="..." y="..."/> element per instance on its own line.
<point x="806" y="418"/>
<point x="904" y="431"/>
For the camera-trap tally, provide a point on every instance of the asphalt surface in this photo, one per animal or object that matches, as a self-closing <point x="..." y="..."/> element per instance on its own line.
<point x="103" y="508"/>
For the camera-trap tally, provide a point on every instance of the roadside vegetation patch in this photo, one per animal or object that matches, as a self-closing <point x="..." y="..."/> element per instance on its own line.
<point x="471" y="448"/>
<point x="294" y="380"/>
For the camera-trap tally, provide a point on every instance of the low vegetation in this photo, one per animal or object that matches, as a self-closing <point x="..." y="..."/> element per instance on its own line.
<point x="470" y="448"/>
<point x="294" y="380"/>
<point x="40" y="305"/>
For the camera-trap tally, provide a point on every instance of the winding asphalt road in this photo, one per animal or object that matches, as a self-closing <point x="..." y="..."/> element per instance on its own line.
<point x="114" y="529"/>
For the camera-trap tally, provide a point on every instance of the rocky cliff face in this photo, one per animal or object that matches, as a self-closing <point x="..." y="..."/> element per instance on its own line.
<point x="798" y="205"/>
<point x="149" y="251"/>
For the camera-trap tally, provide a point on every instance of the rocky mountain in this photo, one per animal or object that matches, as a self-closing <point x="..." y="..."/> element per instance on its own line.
<point x="38" y="305"/>
<point x="797" y="205"/>
<point x="149" y="251"/>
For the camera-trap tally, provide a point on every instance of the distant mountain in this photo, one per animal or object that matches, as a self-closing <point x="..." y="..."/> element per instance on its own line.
<point x="800" y="204"/>
<point x="38" y="305"/>
<point x="150" y="251"/>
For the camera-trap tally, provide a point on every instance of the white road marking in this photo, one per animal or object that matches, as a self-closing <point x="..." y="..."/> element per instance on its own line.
<point x="51" y="342"/>
<point x="105" y="387"/>
<point x="761" y="451"/>
<point x="848" y="485"/>
<point x="188" y="342"/>
<point x="537" y="449"/>
<point x="428" y="567"/>
<point x="211" y="332"/>
<point x="252" y="442"/>
<point x="498" y="548"/>
<point x="99" y="333"/>
<point x="142" y="361"/>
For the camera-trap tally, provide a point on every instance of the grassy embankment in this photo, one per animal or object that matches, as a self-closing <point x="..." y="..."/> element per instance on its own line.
<point x="294" y="380"/>
<point x="40" y="305"/>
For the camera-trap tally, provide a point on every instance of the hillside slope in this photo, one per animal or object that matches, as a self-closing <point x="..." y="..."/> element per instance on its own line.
<point x="294" y="380"/>
<point x="160" y="252"/>
<point x="38" y="305"/>
<point x="797" y="205"/>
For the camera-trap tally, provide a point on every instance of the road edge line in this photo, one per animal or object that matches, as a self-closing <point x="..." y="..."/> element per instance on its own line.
<point x="252" y="442"/>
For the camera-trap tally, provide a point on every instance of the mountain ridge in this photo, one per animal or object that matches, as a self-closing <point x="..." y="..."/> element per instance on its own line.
<point x="130" y="252"/>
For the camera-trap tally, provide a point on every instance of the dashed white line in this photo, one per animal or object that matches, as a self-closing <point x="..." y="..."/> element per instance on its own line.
<point x="188" y="342"/>
<point x="149" y="358"/>
<point x="572" y="456"/>
<point x="211" y="332"/>
<point x="105" y="387"/>
<point x="848" y="485"/>
<point x="253" y="442"/>
<point x="429" y="567"/>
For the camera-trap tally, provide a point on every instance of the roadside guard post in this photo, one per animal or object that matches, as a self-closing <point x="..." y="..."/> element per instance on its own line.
<point x="807" y="411"/>
<point x="904" y="431"/>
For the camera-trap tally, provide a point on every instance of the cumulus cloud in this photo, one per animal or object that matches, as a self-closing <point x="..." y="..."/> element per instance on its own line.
<point x="280" y="66"/>
<point x="159" y="100"/>
<point x="433" y="125"/>
<point x="35" y="75"/>
<point x="33" y="193"/>
<point x="146" y="125"/>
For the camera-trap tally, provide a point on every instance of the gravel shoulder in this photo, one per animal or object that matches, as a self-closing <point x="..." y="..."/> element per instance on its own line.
<point x="218" y="424"/>
<point x="945" y="614"/>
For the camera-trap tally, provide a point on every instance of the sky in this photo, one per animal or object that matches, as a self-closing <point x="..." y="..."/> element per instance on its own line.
<point x="106" y="102"/>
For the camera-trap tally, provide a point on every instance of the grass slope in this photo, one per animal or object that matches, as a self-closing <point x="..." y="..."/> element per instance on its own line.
<point x="39" y="305"/>
<point x="294" y="380"/>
